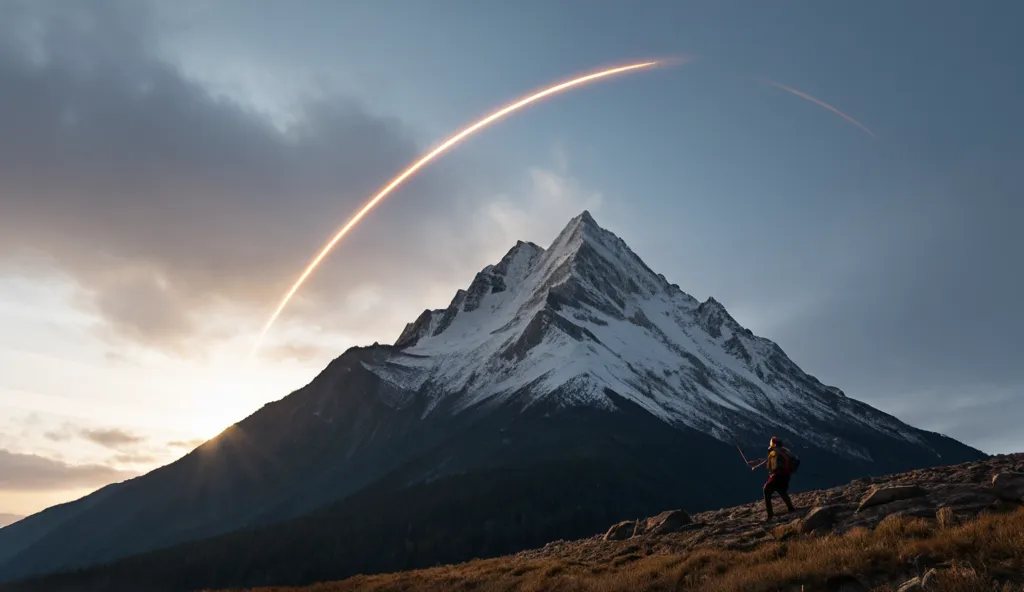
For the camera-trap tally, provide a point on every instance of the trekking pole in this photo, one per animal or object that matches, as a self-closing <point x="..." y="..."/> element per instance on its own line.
<point x="741" y="453"/>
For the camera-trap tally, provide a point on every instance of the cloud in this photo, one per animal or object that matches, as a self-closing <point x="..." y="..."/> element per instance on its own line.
<point x="187" y="444"/>
<point x="300" y="352"/>
<point x="6" y="519"/>
<point x="184" y="217"/>
<point x="544" y="208"/>
<point x="135" y="459"/>
<point x="112" y="438"/>
<point x="59" y="436"/>
<point x="115" y="438"/>
<point x="168" y="204"/>
<point x="30" y="472"/>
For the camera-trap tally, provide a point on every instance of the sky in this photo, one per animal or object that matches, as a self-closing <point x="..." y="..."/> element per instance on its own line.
<point x="168" y="168"/>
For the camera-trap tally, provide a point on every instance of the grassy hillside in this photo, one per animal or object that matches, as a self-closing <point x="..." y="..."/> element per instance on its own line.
<point x="982" y="554"/>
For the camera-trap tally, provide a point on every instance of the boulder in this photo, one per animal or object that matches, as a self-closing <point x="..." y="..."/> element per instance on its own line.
<point x="1009" y="486"/>
<point x="786" y="531"/>
<point x="819" y="518"/>
<point x="621" y="531"/>
<point x="884" y="495"/>
<point x="668" y="522"/>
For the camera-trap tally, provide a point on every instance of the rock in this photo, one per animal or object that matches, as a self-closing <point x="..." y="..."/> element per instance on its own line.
<point x="786" y="531"/>
<point x="919" y="512"/>
<point x="946" y="517"/>
<point x="818" y="518"/>
<point x="928" y="579"/>
<point x="621" y="531"/>
<point x="1009" y="486"/>
<point x="885" y="495"/>
<point x="667" y="522"/>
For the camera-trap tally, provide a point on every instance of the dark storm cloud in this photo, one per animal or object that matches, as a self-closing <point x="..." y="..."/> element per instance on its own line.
<point x="164" y="202"/>
<point x="30" y="472"/>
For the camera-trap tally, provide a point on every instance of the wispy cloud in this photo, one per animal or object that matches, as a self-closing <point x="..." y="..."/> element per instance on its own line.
<point x="112" y="438"/>
<point x="300" y="352"/>
<point x="30" y="472"/>
<point x="135" y="459"/>
<point x="186" y="444"/>
<point x="115" y="438"/>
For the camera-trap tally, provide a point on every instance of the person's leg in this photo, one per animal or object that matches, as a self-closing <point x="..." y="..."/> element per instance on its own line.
<point x="783" y="489"/>
<point x="785" y="497"/>
<point x="769" y="488"/>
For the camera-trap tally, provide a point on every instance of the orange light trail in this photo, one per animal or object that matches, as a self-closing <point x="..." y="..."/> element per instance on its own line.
<point x="455" y="139"/>
<point x="821" y="103"/>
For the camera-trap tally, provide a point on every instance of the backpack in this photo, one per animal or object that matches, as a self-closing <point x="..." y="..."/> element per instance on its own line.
<point x="790" y="461"/>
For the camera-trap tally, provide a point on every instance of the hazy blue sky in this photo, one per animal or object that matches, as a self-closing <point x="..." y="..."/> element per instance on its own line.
<point x="166" y="169"/>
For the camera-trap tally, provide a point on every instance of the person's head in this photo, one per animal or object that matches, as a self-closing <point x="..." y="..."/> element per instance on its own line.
<point x="774" y="442"/>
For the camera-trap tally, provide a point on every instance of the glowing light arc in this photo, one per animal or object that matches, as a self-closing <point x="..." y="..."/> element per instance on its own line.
<point x="822" y="104"/>
<point x="451" y="141"/>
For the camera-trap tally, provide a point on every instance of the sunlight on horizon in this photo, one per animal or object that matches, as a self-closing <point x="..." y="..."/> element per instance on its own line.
<point x="164" y="405"/>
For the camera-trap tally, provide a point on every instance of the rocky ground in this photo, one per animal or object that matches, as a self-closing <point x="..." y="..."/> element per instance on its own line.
<point x="946" y="495"/>
<point x="956" y="528"/>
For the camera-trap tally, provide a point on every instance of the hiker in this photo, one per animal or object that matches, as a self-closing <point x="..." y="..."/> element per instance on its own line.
<point x="779" y="470"/>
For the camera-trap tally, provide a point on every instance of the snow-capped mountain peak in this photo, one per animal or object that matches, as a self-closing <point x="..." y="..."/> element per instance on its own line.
<point x="587" y="317"/>
<point x="576" y="360"/>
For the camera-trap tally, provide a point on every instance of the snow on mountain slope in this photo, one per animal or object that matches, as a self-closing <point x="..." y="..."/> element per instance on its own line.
<point x="587" y="315"/>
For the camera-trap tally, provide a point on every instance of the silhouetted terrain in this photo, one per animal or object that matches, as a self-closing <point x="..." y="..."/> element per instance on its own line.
<point x="871" y="532"/>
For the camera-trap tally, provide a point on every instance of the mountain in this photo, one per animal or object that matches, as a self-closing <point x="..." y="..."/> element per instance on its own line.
<point x="8" y="519"/>
<point x="564" y="388"/>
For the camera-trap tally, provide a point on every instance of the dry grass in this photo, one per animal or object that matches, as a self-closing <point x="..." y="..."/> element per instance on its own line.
<point x="984" y="554"/>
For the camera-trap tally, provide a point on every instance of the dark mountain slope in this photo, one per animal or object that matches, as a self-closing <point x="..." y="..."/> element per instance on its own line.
<point x="582" y="470"/>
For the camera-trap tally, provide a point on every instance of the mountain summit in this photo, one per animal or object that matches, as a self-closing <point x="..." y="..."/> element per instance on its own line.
<point x="564" y="389"/>
<point x="586" y="319"/>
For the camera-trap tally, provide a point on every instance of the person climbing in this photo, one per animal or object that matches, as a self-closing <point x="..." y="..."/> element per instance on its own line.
<point x="779" y="470"/>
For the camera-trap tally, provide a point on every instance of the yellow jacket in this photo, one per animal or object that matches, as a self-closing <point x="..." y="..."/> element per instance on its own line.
<point x="775" y="462"/>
